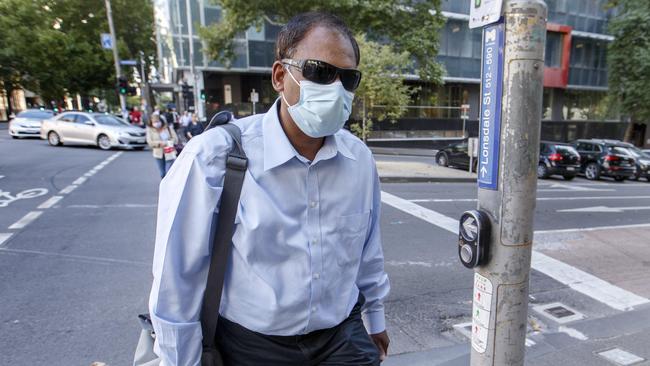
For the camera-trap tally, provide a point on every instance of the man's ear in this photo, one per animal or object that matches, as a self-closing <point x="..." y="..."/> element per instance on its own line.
<point x="277" y="76"/>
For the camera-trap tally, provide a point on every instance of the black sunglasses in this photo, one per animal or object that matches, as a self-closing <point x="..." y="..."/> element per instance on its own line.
<point x="321" y="72"/>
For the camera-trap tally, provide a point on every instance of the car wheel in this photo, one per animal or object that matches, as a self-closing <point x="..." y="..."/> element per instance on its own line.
<point x="442" y="160"/>
<point x="569" y="176"/>
<point x="619" y="178"/>
<point x="542" y="171"/>
<point x="104" y="142"/>
<point x="53" y="138"/>
<point x="138" y="148"/>
<point x="15" y="137"/>
<point x="592" y="171"/>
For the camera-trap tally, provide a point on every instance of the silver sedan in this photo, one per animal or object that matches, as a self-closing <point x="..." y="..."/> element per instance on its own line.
<point x="103" y="130"/>
<point x="28" y="123"/>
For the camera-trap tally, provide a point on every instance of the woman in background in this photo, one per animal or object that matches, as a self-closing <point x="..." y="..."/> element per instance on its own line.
<point x="162" y="139"/>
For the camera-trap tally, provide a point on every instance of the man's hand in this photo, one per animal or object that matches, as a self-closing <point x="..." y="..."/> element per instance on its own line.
<point x="381" y="341"/>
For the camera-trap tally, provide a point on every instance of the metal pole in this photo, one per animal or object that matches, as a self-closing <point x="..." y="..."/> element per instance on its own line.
<point x="501" y="285"/>
<point x="194" y="76"/>
<point x="144" y="91"/>
<point x="116" y="57"/>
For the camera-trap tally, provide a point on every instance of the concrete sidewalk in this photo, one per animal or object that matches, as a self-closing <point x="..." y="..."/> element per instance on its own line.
<point x="395" y="170"/>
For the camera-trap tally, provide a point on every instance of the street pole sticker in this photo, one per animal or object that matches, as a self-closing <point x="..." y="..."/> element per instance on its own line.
<point x="484" y="12"/>
<point x="107" y="41"/>
<point x="481" y="312"/>
<point x="490" y="112"/>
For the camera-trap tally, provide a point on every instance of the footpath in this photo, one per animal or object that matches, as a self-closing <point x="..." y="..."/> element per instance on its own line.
<point x="395" y="166"/>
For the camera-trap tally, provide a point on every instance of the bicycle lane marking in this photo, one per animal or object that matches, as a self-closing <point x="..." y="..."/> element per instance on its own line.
<point x="50" y="202"/>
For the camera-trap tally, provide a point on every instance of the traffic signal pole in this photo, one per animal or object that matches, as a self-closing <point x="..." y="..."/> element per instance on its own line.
<point x="511" y="110"/>
<point x="116" y="57"/>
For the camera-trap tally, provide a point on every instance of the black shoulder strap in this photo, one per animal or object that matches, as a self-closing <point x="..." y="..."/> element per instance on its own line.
<point x="222" y="230"/>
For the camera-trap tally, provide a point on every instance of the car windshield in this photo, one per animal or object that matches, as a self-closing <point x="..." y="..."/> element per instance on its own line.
<point x="107" y="119"/>
<point x="35" y="114"/>
<point x="619" y="150"/>
<point x="637" y="153"/>
<point x="566" y="149"/>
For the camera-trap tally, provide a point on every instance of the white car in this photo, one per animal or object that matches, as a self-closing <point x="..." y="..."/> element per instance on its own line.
<point x="100" y="129"/>
<point x="28" y="123"/>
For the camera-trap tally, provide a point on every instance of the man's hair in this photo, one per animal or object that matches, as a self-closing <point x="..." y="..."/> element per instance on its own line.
<point x="297" y="28"/>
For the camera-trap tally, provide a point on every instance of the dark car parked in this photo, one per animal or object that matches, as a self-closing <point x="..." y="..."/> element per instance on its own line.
<point x="642" y="161"/>
<point x="557" y="159"/>
<point x="605" y="158"/>
<point x="455" y="155"/>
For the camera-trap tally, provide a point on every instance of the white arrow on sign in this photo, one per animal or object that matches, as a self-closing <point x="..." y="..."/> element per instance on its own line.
<point x="483" y="171"/>
<point x="605" y="209"/>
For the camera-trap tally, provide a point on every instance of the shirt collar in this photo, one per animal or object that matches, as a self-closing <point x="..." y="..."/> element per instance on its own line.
<point x="278" y="149"/>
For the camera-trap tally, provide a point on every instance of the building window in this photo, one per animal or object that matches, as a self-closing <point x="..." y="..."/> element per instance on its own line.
<point x="553" y="56"/>
<point x="212" y="15"/>
<point x="261" y="53"/>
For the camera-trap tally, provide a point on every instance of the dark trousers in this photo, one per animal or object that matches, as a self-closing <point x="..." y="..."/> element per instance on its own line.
<point x="346" y="344"/>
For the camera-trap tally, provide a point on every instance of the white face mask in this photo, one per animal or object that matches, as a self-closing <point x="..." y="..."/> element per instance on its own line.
<point x="157" y="124"/>
<point x="322" y="109"/>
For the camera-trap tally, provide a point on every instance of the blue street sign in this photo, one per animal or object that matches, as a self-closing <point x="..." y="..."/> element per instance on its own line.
<point x="490" y="113"/>
<point x="107" y="42"/>
<point x="128" y="62"/>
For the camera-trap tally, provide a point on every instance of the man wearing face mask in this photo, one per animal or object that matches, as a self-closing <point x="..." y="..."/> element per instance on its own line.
<point x="306" y="270"/>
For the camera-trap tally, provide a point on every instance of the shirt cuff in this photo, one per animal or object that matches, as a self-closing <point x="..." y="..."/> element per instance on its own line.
<point x="177" y="343"/>
<point x="375" y="321"/>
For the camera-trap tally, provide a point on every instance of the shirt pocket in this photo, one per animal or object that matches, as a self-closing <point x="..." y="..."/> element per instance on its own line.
<point x="350" y="237"/>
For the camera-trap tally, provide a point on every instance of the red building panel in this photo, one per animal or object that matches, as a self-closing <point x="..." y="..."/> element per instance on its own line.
<point x="558" y="77"/>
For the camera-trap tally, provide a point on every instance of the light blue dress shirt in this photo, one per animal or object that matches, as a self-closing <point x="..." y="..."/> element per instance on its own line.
<point x="306" y="241"/>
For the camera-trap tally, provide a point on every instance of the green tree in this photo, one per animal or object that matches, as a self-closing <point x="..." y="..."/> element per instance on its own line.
<point x="629" y="58"/>
<point x="382" y="93"/>
<point x="53" y="46"/>
<point x="408" y="25"/>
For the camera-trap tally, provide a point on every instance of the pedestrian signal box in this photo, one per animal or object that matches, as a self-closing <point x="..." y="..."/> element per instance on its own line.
<point x="473" y="238"/>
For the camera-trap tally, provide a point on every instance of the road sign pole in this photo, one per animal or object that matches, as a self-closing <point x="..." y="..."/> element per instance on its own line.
<point x="510" y="120"/>
<point x="198" y="104"/>
<point x="116" y="57"/>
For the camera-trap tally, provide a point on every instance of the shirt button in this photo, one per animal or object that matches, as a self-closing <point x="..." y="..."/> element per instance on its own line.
<point x="316" y="276"/>
<point x="313" y="204"/>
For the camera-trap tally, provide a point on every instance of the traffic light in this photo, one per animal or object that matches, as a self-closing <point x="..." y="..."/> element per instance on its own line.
<point x="202" y="94"/>
<point x="122" y="85"/>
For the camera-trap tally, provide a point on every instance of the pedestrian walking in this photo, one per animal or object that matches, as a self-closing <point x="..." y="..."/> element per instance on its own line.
<point x="162" y="139"/>
<point x="195" y="128"/>
<point x="186" y="119"/>
<point x="135" y="116"/>
<point x="307" y="263"/>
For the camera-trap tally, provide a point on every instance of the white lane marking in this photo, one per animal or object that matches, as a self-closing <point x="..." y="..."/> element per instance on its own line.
<point x="557" y="231"/>
<point x="4" y="237"/>
<point x="79" y="181"/>
<point x="591" y="198"/>
<point x="605" y="209"/>
<point x="6" y="198"/>
<point x="125" y="205"/>
<point x="571" y="332"/>
<point x="26" y="220"/>
<point x="2" y="176"/>
<point x="587" y="284"/>
<point x="68" y="189"/>
<point x="50" y="202"/>
<point x="77" y="257"/>
<point x="418" y="211"/>
<point x="613" y="296"/>
<point x="589" y="190"/>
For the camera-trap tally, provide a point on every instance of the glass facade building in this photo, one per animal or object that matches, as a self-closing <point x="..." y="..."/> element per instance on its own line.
<point x="575" y="88"/>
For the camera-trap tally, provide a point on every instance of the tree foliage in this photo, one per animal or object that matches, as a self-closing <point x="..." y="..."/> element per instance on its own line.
<point x="382" y="93"/>
<point x="408" y="25"/>
<point x="53" y="46"/>
<point x="629" y="57"/>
